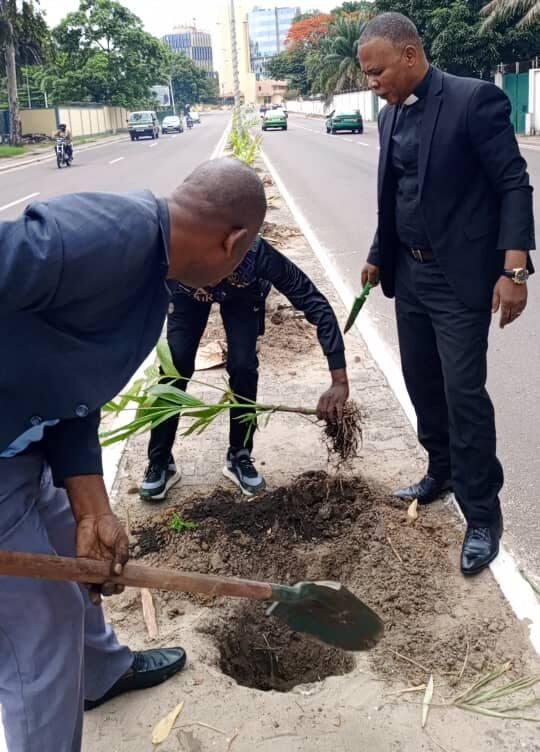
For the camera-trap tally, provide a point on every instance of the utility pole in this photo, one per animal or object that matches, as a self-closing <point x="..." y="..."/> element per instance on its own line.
<point x="11" y="74"/>
<point x="234" y="60"/>
<point x="172" y="96"/>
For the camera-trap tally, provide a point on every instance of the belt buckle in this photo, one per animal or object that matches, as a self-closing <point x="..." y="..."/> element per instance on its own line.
<point x="417" y="255"/>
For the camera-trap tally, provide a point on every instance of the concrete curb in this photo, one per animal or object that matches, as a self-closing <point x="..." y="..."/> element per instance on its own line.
<point x="515" y="588"/>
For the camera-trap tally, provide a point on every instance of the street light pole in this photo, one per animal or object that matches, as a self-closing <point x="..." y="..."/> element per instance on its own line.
<point x="172" y="96"/>
<point x="234" y="56"/>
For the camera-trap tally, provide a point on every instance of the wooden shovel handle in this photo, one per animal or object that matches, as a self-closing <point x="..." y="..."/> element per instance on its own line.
<point x="18" y="564"/>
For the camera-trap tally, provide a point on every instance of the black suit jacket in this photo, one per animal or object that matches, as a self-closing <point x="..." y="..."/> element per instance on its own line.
<point x="475" y="195"/>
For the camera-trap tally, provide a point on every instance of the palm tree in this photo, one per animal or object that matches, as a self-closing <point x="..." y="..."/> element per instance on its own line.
<point x="340" y="70"/>
<point x="499" y="10"/>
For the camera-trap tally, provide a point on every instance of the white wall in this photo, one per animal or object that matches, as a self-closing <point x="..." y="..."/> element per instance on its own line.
<point x="533" y="116"/>
<point x="365" y="101"/>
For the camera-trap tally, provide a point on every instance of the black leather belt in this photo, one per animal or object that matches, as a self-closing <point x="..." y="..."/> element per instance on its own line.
<point x="420" y="254"/>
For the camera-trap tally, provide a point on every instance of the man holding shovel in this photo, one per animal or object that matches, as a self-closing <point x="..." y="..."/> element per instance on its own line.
<point x="83" y="298"/>
<point x="455" y="227"/>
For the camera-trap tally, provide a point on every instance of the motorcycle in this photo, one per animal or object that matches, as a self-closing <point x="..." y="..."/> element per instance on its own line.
<point x="63" y="156"/>
<point x="189" y="123"/>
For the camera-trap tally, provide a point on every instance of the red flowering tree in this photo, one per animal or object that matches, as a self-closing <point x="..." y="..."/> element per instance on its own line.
<point x="308" y="31"/>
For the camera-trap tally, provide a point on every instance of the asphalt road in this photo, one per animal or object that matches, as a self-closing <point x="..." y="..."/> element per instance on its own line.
<point x="118" y="166"/>
<point x="333" y="181"/>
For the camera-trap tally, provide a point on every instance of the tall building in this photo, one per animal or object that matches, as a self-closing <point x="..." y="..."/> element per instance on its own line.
<point x="195" y="44"/>
<point x="224" y="53"/>
<point x="268" y="29"/>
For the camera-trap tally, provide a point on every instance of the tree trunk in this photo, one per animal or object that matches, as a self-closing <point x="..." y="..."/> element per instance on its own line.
<point x="13" y="98"/>
<point x="11" y="74"/>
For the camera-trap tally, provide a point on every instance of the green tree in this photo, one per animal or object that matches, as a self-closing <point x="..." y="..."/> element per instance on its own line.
<point x="527" y="12"/>
<point x="103" y="54"/>
<point x="339" y="69"/>
<point x="364" y="8"/>
<point x="23" y="39"/>
<point x="291" y="65"/>
<point x="190" y="84"/>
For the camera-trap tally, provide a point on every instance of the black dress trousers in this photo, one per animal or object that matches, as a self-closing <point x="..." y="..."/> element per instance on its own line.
<point x="443" y="347"/>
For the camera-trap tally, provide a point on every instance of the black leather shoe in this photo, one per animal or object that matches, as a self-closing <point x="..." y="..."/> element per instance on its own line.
<point x="427" y="490"/>
<point x="149" y="668"/>
<point x="480" y="547"/>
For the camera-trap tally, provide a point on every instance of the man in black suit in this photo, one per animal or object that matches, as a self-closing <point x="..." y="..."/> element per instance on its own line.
<point x="455" y="227"/>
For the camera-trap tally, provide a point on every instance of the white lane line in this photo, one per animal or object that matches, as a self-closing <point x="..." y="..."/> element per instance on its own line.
<point x="362" y="143"/>
<point x="154" y="144"/>
<point x="118" y="159"/>
<point x="19" y="201"/>
<point x="517" y="591"/>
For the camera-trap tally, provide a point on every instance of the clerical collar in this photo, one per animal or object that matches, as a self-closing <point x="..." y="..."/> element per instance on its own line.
<point x="421" y="90"/>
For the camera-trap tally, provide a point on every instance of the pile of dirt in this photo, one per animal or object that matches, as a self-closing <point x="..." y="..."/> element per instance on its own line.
<point x="347" y="529"/>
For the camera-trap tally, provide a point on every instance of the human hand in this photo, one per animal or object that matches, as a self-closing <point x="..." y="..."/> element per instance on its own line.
<point x="510" y="298"/>
<point x="103" y="537"/>
<point x="370" y="273"/>
<point x="331" y="402"/>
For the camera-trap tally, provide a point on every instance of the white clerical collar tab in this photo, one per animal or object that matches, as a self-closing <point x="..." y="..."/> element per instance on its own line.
<point x="411" y="99"/>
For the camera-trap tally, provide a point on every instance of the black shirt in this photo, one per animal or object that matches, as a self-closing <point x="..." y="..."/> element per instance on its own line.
<point x="263" y="267"/>
<point x="405" y="145"/>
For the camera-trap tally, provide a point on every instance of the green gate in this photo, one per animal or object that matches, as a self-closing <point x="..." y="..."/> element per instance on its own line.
<point x="516" y="86"/>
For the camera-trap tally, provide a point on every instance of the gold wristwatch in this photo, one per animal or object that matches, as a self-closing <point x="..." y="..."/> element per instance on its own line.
<point x="518" y="276"/>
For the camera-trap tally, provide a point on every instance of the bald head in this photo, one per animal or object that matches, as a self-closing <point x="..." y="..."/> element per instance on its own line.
<point x="215" y="214"/>
<point x="392" y="56"/>
<point x="230" y="189"/>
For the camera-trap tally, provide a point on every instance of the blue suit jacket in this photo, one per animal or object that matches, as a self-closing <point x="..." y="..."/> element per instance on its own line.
<point x="475" y="195"/>
<point x="83" y="298"/>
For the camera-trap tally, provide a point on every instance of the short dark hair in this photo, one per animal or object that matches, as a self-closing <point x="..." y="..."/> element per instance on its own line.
<point x="232" y="190"/>
<point x="395" y="27"/>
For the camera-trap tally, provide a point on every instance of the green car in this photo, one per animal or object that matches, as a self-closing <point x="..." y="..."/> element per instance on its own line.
<point x="274" y="119"/>
<point x="345" y="121"/>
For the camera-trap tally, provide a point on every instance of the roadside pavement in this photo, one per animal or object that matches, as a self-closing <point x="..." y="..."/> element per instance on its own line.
<point x="315" y="527"/>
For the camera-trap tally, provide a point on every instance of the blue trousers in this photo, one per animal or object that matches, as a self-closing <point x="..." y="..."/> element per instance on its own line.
<point x="55" y="647"/>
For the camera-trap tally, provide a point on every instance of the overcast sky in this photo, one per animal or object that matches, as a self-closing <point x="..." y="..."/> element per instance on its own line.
<point x="159" y="16"/>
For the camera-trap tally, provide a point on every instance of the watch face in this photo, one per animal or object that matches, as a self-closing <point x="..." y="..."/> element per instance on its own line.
<point x="521" y="275"/>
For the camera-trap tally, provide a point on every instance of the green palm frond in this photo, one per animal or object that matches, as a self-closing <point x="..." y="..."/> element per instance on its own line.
<point x="528" y="12"/>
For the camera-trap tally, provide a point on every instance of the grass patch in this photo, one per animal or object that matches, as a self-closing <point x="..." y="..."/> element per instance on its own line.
<point x="11" y="151"/>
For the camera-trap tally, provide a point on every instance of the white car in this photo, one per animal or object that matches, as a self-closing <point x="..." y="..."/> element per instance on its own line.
<point x="172" y="124"/>
<point x="195" y="117"/>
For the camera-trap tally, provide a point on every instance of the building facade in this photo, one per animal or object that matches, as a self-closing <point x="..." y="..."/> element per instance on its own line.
<point x="224" y="53"/>
<point x="194" y="44"/>
<point x="268" y="29"/>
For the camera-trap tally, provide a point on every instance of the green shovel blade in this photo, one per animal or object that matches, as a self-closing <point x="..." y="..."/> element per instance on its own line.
<point x="357" y="306"/>
<point x="329" y="612"/>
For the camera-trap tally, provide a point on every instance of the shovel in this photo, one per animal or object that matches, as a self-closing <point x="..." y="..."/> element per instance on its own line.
<point x="324" y="610"/>
<point x="357" y="306"/>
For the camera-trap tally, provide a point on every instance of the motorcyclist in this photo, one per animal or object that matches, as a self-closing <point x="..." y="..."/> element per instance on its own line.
<point x="64" y="132"/>
<point x="189" y="121"/>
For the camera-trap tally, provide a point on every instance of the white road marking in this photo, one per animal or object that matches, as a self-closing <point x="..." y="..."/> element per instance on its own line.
<point x="154" y="144"/>
<point x="518" y="592"/>
<point x="19" y="201"/>
<point x="362" y="143"/>
<point x="118" y="159"/>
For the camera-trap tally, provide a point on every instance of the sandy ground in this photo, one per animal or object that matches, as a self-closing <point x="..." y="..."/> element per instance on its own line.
<point x="310" y="525"/>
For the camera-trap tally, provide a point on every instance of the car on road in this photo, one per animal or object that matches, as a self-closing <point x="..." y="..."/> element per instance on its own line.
<point x="172" y="124"/>
<point x="274" y="119"/>
<point x="195" y="117"/>
<point x="351" y="120"/>
<point x="143" y="123"/>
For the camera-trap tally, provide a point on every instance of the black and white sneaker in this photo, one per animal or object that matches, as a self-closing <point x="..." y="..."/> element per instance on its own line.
<point x="241" y="470"/>
<point x="157" y="481"/>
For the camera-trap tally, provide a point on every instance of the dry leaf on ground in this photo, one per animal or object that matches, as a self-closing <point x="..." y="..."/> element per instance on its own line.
<point x="428" y="696"/>
<point x="412" y="511"/>
<point x="163" y="728"/>
<point x="149" y="613"/>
